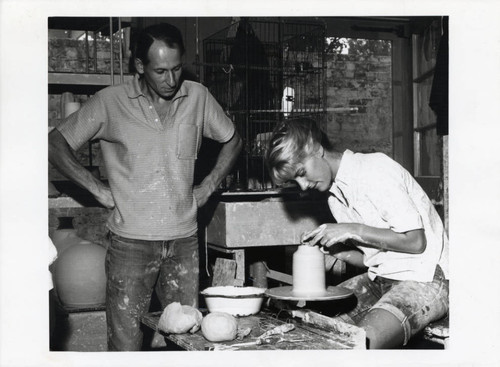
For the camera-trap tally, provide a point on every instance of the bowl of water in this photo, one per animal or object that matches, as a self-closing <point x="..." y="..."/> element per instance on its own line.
<point x="237" y="301"/>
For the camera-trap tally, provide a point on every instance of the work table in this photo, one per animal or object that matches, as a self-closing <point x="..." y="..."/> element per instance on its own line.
<point x="303" y="337"/>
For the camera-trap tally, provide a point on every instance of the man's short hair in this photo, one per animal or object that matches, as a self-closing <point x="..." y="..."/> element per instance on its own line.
<point x="292" y="141"/>
<point x="165" y="32"/>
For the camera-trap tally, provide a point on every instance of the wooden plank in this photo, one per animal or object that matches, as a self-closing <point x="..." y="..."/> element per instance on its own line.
<point x="402" y="103"/>
<point x="85" y="79"/>
<point x="239" y="257"/>
<point x="353" y="337"/>
<point x="64" y="202"/>
<point x="224" y="272"/>
<point x="279" y="276"/>
<point x="259" y="272"/>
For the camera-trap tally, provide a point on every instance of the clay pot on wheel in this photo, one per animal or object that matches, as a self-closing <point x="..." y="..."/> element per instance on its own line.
<point x="308" y="271"/>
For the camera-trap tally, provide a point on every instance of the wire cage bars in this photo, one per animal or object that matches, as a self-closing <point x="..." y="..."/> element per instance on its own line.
<point x="263" y="72"/>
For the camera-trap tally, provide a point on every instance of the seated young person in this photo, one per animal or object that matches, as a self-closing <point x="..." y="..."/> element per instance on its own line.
<point x="384" y="222"/>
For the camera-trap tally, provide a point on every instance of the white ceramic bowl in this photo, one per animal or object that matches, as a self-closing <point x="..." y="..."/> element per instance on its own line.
<point x="237" y="301"/>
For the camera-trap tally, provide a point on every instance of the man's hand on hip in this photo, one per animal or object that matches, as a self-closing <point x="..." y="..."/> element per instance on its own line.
<point x="105" y="197"/>
<point x="201" y="194"/>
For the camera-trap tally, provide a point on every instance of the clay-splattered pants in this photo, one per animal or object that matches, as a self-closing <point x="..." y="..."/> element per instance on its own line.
<point x="415" y="304"/>
<point x="134" y="268"/>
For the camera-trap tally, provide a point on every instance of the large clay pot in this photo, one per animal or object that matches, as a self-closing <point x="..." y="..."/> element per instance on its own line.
<point x="79" y="276"/>
<point x="65" y="235"/>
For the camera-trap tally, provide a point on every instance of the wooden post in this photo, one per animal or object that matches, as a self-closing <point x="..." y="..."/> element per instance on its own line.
<point x="239" y="256"/>
<point x="224" y="272"/>
<point x="259" y="274"/>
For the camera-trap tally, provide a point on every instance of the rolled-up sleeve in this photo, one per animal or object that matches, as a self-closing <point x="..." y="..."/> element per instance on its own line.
<point x="84" y="124"/>
<point x="399" y="211"/>
<point x="218" y="126"/>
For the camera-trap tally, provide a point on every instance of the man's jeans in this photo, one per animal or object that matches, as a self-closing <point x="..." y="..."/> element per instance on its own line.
<point x="134" y="268"/>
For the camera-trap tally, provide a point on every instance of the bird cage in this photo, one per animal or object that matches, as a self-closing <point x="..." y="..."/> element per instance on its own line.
<point x="262" y="72"/>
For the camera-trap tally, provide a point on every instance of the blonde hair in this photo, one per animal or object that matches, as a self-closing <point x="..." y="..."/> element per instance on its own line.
<point x="292" y="141"/>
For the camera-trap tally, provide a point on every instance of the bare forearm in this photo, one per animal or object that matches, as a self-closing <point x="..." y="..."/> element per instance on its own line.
<point x="63" y="159"/>
<point x="349" y="254"/>
<point x="412" y="242"/>
<point x="225" y="161"/>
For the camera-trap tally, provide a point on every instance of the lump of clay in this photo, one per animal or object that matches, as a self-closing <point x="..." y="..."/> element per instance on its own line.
<point x="219" y="327"/>
<point x="179" y="319"/>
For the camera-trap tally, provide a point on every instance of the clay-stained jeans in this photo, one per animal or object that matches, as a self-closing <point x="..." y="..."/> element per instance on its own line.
<point x="415" y="304"/>
<point x="134" y="268"/>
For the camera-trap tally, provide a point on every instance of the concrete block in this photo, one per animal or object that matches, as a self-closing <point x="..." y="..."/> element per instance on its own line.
<point x="265" y="223"/>
<point x="82" y="332"/>
<point x="89" y="222"/>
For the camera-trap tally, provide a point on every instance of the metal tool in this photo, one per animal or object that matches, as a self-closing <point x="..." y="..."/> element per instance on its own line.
<point x="265" y="338"/>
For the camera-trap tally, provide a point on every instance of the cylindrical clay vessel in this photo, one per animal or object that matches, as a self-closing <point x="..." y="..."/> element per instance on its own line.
<point x="308" y="271"/>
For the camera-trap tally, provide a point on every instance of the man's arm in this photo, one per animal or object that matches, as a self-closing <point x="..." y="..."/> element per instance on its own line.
<point x="62" y="157"/>
<point x="225" y="161"/>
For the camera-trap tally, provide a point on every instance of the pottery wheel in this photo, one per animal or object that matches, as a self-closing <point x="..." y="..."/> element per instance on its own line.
<point x="331" y="293"/>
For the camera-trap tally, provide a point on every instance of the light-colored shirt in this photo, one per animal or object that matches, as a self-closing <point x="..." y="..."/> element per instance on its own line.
<point x="374" y="190"/>
<point x="150" y="163"/>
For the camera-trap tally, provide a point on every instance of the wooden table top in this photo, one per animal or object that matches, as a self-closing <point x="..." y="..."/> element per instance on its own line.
<point x="302" y="337"/>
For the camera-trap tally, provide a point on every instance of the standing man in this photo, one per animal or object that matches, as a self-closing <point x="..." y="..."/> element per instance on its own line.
<point x="150" y="131"/>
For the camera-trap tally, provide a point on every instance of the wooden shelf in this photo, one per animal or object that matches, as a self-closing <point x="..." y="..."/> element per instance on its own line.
<point x="299" y="110"/>
<point x="80" y="83"/>
<point x="93" y="24"/>
<point x="86" y="79"/>
<point x="72" y="196"/>
<point x="64" y="202"/>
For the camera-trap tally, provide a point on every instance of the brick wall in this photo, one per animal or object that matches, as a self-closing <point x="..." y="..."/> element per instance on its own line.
<point x="364" y="83"/>
<point x="70" y="55"/>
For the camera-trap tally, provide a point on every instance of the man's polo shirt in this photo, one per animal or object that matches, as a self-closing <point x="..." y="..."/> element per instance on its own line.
<point x="375" y="190"/>
<point x="150" y="163"/>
